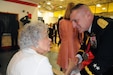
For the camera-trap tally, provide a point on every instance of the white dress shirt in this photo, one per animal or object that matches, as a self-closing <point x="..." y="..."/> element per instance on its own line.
<point x="29" y="62"/>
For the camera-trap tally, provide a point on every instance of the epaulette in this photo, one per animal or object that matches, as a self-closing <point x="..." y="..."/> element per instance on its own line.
<point x="102" y="23"/>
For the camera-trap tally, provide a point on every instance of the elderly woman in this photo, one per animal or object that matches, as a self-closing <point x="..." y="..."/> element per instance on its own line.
<point x="30" y="60"/>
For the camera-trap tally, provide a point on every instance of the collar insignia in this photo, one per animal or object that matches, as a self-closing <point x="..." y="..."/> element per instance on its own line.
<point x="96" y="67"/>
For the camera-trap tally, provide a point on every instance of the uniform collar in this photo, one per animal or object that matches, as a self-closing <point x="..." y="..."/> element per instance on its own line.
<point x="89" y="30"/>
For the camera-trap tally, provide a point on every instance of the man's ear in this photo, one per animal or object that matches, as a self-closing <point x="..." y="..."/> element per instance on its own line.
<point x="88" y="14"/>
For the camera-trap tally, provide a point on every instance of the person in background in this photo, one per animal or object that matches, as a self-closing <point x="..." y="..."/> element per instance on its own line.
<point x="14" y="33"/>
<point x="69" y="40"/>
<point x="30" y="60"/>
<point x="50" y="33"/>
<point x="55" y="33"/>
<point x="59" y="42"/>
<point x="1" y="32"/>
<point x="43" y="21"/>
<point x="96" y="52"/>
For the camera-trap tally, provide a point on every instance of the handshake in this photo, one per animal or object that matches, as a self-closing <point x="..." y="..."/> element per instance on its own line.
<point x="74" y="67"/>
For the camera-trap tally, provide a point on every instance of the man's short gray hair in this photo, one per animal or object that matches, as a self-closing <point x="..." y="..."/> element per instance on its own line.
<point x="31" y="34"/>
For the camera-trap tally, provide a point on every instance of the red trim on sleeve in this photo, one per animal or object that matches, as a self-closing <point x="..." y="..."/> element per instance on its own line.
<point x="23" y="2"/>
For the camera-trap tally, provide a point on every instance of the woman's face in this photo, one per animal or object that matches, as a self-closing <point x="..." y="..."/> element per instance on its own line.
<point x="44" y="44"/>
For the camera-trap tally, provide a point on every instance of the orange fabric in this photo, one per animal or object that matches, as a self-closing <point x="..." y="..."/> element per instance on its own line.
<point x="69" y="43"/>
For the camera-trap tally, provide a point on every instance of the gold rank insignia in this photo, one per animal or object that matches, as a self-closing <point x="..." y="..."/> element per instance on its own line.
<point x="102" y="23"/>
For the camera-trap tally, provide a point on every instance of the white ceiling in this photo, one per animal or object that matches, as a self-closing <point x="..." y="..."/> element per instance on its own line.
<point x="56" y="3"/>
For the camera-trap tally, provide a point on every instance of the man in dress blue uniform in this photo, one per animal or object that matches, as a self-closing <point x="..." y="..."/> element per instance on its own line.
<point x="96" y="52"/>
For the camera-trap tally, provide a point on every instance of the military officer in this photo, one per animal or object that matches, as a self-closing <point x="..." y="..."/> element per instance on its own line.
<point x="96" y="53"/>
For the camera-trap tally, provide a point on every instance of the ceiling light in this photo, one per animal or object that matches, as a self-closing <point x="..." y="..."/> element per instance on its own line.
<point x="103" y="8"/>
<point x="48" y="3"/>
<point x="39" y="6"/>
<point x="61" y="0"/>
<point x="98" y="5"/>
<point x="60" y="6"/>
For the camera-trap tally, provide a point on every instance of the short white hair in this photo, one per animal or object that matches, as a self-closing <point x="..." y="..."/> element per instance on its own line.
<point x="31" y="33"/>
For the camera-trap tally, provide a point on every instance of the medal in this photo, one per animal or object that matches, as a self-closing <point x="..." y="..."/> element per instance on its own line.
<point x="93" y="41"/>
<point x="85" y="56"/>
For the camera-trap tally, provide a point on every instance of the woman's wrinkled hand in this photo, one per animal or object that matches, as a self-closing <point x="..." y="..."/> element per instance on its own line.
<point x="72" y="65"/>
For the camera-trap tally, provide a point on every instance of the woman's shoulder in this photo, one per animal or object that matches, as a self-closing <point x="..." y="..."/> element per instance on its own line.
<point x="64" y="21"/>
<point x="39" y="57"/>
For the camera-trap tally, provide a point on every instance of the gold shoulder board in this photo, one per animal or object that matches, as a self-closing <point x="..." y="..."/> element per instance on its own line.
<point x="102" y="23"/>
